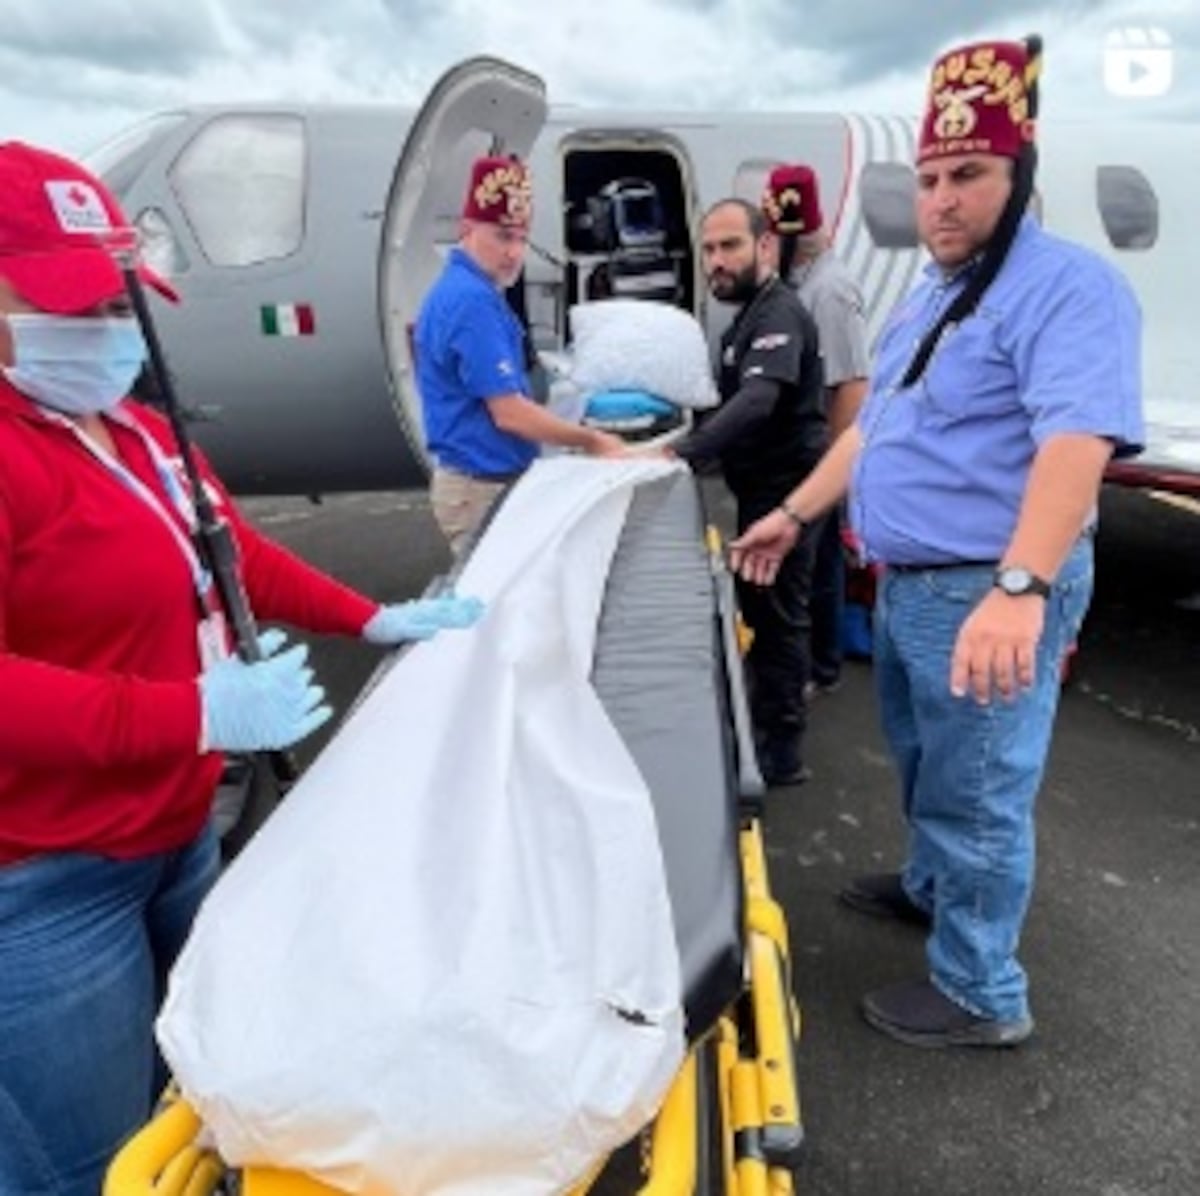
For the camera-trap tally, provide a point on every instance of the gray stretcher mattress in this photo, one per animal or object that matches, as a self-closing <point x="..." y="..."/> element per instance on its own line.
<point x="658" y="670"/>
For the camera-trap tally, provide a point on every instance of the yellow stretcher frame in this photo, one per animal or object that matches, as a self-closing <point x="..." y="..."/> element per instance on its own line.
<point x="749" y="1061"/>
<point x="730" y="1124"/>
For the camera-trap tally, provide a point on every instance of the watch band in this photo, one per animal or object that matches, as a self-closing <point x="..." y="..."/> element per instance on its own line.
<point x="800" y="524"/>
<point x="1017" y="581"/>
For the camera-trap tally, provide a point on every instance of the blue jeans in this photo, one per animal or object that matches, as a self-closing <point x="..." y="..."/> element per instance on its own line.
<point x="969" y="774"/>
<point x="85" y="946"/>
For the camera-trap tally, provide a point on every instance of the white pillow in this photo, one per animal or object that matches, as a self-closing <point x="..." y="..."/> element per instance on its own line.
<point x="639" y="344"/>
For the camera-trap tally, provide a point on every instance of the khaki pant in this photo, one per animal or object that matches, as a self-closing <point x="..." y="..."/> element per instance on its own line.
<point x="460" y="503"/>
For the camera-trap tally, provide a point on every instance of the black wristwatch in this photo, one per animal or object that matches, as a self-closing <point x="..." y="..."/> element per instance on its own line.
<point x="1016" y="580"/>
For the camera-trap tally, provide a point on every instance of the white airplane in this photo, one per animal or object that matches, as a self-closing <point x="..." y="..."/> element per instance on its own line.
<point x="303" y="237"/>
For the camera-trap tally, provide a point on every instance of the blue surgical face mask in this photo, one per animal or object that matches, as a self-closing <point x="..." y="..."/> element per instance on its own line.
<point x="79" y="365"/>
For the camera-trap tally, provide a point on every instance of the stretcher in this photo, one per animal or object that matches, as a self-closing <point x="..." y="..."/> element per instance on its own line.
<point x="731" y="1122"/>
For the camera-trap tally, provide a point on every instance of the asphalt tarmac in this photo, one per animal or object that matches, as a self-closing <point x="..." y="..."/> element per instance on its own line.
<point x="1105" y="1099"/>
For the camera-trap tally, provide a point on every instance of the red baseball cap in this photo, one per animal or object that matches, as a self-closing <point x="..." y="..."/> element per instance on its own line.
<point x="59" y="225"/>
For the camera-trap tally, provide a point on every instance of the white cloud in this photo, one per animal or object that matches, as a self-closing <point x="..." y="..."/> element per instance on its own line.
<point x="67" y="85"/>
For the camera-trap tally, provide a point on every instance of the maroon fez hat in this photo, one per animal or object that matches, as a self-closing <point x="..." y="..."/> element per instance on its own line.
<point x="978" y="102"/>
<point x="790" y="201"/>
<point x="500" y="192"/>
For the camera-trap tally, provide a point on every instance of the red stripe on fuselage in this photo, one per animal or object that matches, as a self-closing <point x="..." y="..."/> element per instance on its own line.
<point x="1150" y="477"/>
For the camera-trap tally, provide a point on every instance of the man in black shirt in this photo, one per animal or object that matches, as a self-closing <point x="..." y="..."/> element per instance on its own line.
<point x="767" y="434"/>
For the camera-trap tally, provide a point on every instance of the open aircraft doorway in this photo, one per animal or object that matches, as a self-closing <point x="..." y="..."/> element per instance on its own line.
<point x="629" y="208"/>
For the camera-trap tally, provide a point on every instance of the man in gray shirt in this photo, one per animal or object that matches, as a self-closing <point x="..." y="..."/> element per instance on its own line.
<point x="827" y="289"/>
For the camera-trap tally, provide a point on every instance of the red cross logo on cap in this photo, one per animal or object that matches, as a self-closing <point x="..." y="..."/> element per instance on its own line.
<point x="77" y="206"/>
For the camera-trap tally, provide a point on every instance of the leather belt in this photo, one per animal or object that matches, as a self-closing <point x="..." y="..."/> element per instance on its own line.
<point x="481" y="477"/>
<point x="942" y="565"/>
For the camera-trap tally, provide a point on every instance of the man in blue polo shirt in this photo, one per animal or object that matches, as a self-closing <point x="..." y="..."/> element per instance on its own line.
<point x="1002" y="386"/>
<point x="481" y="426"/>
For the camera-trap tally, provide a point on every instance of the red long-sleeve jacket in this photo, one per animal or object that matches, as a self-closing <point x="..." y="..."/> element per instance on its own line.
<point x="99" y="706"/>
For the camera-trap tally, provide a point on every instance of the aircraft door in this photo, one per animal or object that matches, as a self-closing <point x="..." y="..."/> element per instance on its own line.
<point x="481" y="105"/>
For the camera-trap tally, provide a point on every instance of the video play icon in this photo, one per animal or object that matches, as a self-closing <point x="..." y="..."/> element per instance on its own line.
<point x="1138" y="62"/>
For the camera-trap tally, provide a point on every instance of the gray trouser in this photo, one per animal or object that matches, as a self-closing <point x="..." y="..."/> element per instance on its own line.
<point x="460" y="503"/>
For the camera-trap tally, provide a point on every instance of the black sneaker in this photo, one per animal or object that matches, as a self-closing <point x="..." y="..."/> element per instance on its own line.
<point x="780" y="764"/>
<point x="881" y="895"/>
<point x="918" y="1014"/>
<point x="776" y="777"/>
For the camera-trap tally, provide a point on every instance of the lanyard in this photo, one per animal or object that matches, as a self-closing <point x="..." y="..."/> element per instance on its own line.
<point x="201" y="577"/>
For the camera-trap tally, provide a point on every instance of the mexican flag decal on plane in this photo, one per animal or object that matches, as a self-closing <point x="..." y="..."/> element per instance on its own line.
<point x="288" y="319"/>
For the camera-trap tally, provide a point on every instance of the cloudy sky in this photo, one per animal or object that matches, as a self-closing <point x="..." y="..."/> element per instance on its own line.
<point x="73" y="72"/>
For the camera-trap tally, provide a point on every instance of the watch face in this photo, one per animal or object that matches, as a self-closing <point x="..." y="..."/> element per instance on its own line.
<point x="1016" y="581"/>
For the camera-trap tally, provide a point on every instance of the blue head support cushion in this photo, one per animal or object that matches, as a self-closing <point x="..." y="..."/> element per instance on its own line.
<point x="620" y="405"/>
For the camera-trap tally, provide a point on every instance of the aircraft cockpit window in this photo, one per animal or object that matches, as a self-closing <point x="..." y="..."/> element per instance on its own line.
<point x="241" y="183"/>
<point x="887" y="191"/>
<point x="1128" y="207"/>
<point x="120" y="159"/>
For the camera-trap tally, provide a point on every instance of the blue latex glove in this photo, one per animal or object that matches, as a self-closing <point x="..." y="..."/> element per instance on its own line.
<point x="421" y="619"/>
<point x="266" y="705"/>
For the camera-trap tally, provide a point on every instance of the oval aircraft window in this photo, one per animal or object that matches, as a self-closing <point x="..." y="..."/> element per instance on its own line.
<point x="240" y="183"/>
<point x="887" y="192"/>
<point x="1128" y="207"/>
<point x="160" y="246"/>
<point x="751" y="178"/>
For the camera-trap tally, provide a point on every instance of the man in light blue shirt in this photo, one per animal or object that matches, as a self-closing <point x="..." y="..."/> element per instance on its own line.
<point x="1052" y="349"/>
<point x="481" y="427"/>
<point x="1001" y="389"/>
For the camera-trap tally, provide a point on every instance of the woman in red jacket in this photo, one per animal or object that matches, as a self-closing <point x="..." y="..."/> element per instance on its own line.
<point x="117" y="690"/>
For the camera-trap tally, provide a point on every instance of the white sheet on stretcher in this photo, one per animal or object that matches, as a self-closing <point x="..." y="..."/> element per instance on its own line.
<point x="447" y="965"/>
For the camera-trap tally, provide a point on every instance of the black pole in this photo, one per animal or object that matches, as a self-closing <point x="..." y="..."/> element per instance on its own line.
<point x="213" y="536"/>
